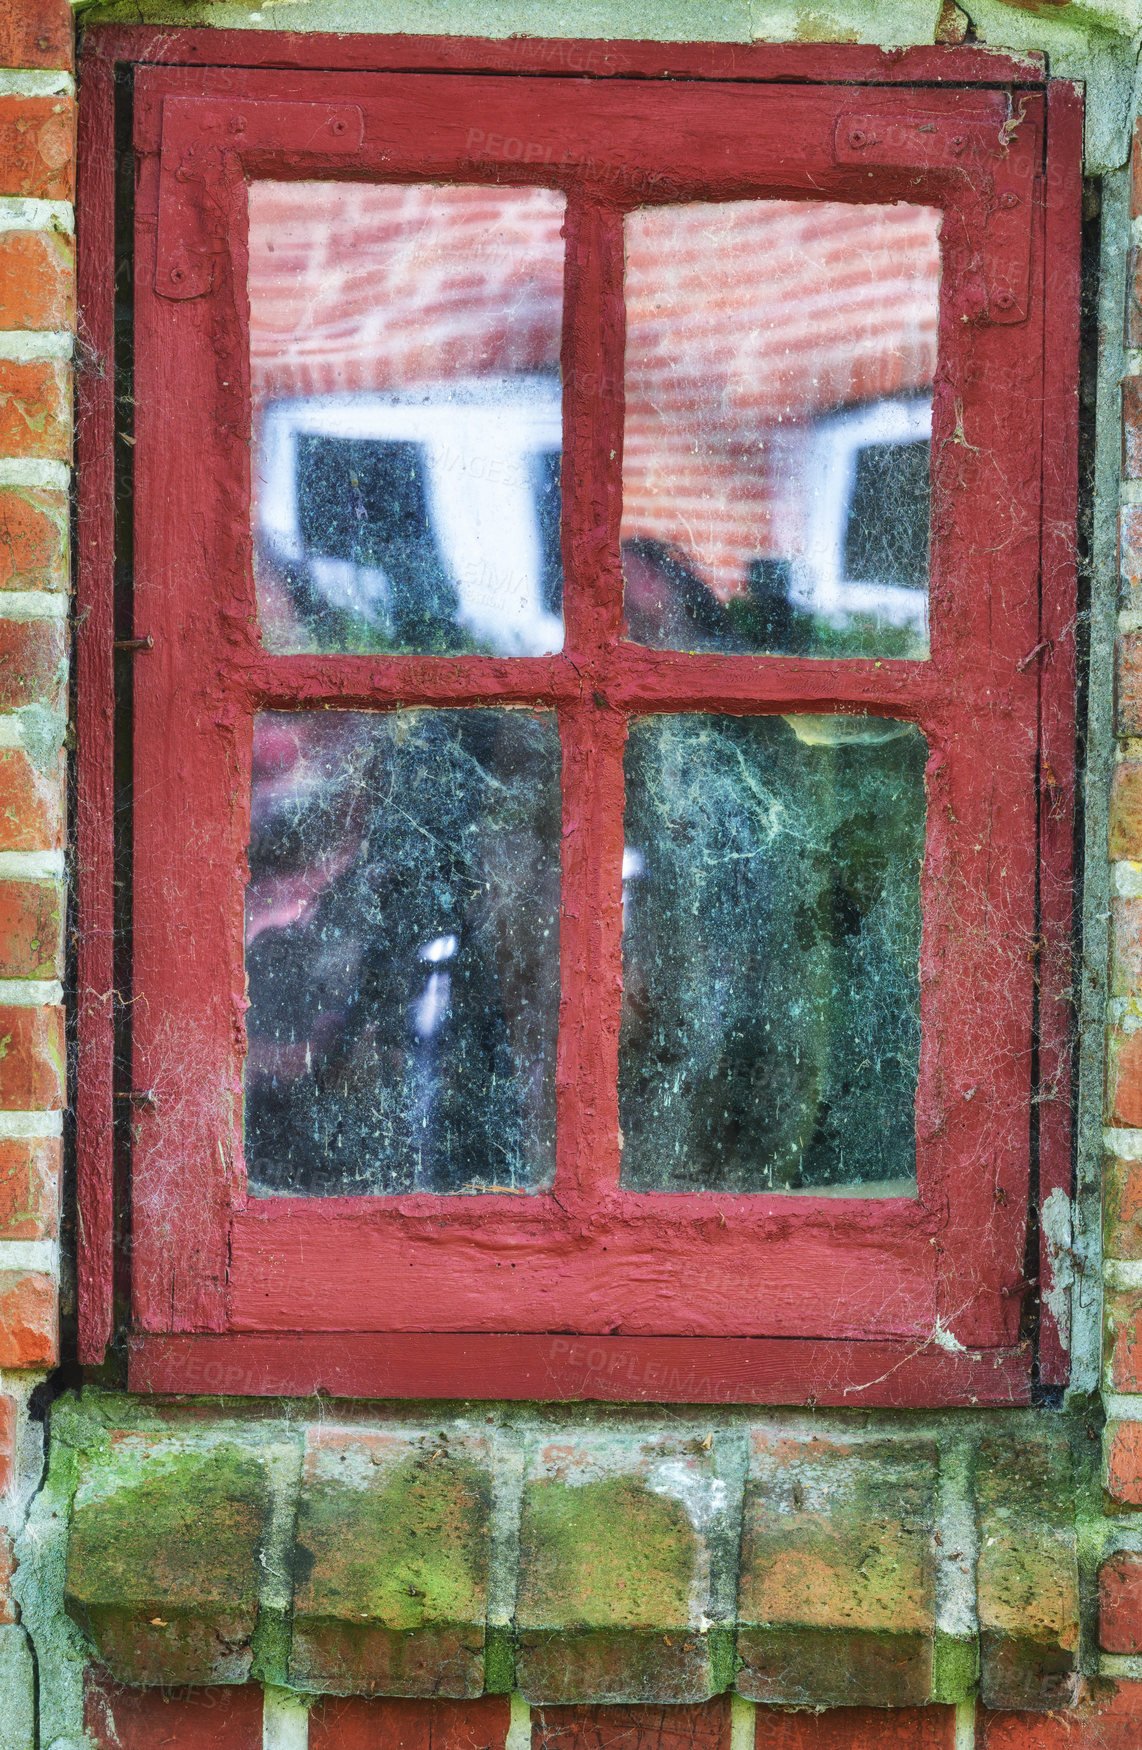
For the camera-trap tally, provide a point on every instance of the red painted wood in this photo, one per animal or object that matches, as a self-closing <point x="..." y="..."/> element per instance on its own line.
<point x="584" y="1257"/>
<point x="95" y="434"/>
<point x="702" y="1727"/>
<point x="588" y="57"/>
<point x="564" y="1369"/>
<point x="1063" y="240"/>
<point x="355" y="1723"/>
<point x="222" y="1718"/>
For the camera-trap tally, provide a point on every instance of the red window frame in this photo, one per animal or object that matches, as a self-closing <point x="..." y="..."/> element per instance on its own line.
<point x="587" y="1291"/>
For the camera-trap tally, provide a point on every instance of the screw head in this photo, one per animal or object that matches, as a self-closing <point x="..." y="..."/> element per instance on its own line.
<point x="178" y="274"/>
<point x="337" y="125"/>
<point x="1005" y="300"/>
<point x="1009" y="199"/>
<point x="858" y="138"/>
<point x="957" y="142"/>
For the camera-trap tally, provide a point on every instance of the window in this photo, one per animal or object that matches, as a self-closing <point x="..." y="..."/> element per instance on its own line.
<point x="599" y="689"/>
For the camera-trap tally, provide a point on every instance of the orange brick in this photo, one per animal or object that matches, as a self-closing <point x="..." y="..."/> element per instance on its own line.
<point x="1126" y="811"/>
<point x="1111" y="1719"/>
<point x="29" y="1190"/>
<point x="1122" y="1204"/>
<point x="31" y="663"/>
<point x="1128" y="689"/>
<point x="1120" y="1603"/>
<point x="31" y="803"/>
<point x="1122" y="1314"/>
<point x="7" y="1443"/>
<point x="36" y="33"/>
<point x="1124" y="1075"/>
<point x="8" y="1565"/>
<point x="1132" y="428"/>
<point x="37" y="147"/>
<point x="1132" y="327"/>
<point x="32" y="1074"/>
<point x="35" y="409"/>
<point x="1124" y="1462"/>
<point x="1125" y="946"/>
<point x="33" y="538"/>
<point x="31" y="929"/>
<point x="27" y="1319"/>
<point x="37" y="280"/>
<point x="1130" y="542"/>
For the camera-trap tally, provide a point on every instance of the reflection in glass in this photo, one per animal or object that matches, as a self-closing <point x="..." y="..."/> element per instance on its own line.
<point x="771" y="939"/>
<point x="402" y="951"/>
<point x="407" y="414"/>
<point x="779" y="365"/>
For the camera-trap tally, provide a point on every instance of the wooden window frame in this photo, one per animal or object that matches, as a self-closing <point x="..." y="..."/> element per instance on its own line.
<point x="588" y="1291"/>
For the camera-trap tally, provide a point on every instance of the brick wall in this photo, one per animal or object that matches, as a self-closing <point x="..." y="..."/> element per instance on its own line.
<point x="37" y="315"/>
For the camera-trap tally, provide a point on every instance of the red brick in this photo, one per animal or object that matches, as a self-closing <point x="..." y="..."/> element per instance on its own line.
<point x="705" y="1726"/>
<point x="32" y="1074"/>
<point x="221" y="1718"/>
<point x="353" y="1723"/>
<point x="31" y="803"/>
<point x="1122" y="1206"/>
<point x="1120" y="1603"/>
<point x="1124" y="1463"/>
<point x="37" y="280"/>
<point x="37" y="147"/>
<point x="1130" y="542"/>
<point x="36" y="33"/>
<point x="1125" y="838"/>
<point x="1110" y="1719"/>
<point x="8" y="1564"/>
<point x="31" y="929"/>
<point x="33" y="538"/>
<point x="35" y="409"/>
<point x="7" y="1443"/>
<point x="1123" y="1323"/>
<point x="1124" y="1076"/>
<point x="1129" y="685"/>
<point x="1136" y="166"/>
<point x="29" y="1190"/>
<point x="31" y="663"/>
<point x="28" y="1336"/>
<point x="1132" y="327"/>
<point x="1125" y="946"/>
<point x="1132" y="428"/>
<point x="857" y="1728"/>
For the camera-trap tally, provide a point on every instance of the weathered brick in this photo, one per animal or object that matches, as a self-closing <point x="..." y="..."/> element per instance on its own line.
<point x="33" y="537"/>
<point x="1125" y="835"/>
<point x="36" y="33"/>
<point x="7" y="1443"/>
<point x="8" y="1564"/>
<point x="35" y="409"/>
<point x="37" y="147"/>
<point x="1122" y="1317"/>
<point x="1120" y="1603"/>
<point x="31" y="802"/>
<point x="1130" y="543"/>
<point x="1132" y="428"/>
<point x="162" y="1560"/>
<point x="356" y="1723"/>
<point x="614" y="1594"/>
<point x="32" y="1071"/>
<point x="31" y="929"/>
<point x="1122" y="1208"/>
<point x="1111" y="1719"/>
<point x="1128" y="687"/>
<point x="221" y="1718"/>
<point x="28" y="1334"/>
<point x="37" y="280"/>
<point x="857" y="1728"/>
<point x="31" y="663"/>
<point x="1122" y="1446"/>
<point x="1125" y="946"/>
<point x="393" y="1545"/>
<point x="836" y="1589"/>
<point x="1132" y="325"/>
<point x="704" y="1727"/>
<point x="1124" y="1079"/>
<point x="1027" y="1573"/>
<point x="29" y="1191"/>
<point x="1136" y="172"/>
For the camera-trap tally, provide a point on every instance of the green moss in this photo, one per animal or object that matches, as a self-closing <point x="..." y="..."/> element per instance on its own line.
<point x="606" y="1554"/>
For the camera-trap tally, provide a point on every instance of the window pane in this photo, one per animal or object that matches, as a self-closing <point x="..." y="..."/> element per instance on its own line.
<point x="779" y="366"/>
<point x="402" y="951"/>
<point x="407" y="416"/>
<point x="771" y="939"/>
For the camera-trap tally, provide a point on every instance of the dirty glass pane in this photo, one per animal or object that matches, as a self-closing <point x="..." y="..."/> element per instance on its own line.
<point x="779" y="366"/>
<point x="402" y="951"/>
<point x="404" y="353"/>
<point x="771" y="939"/>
